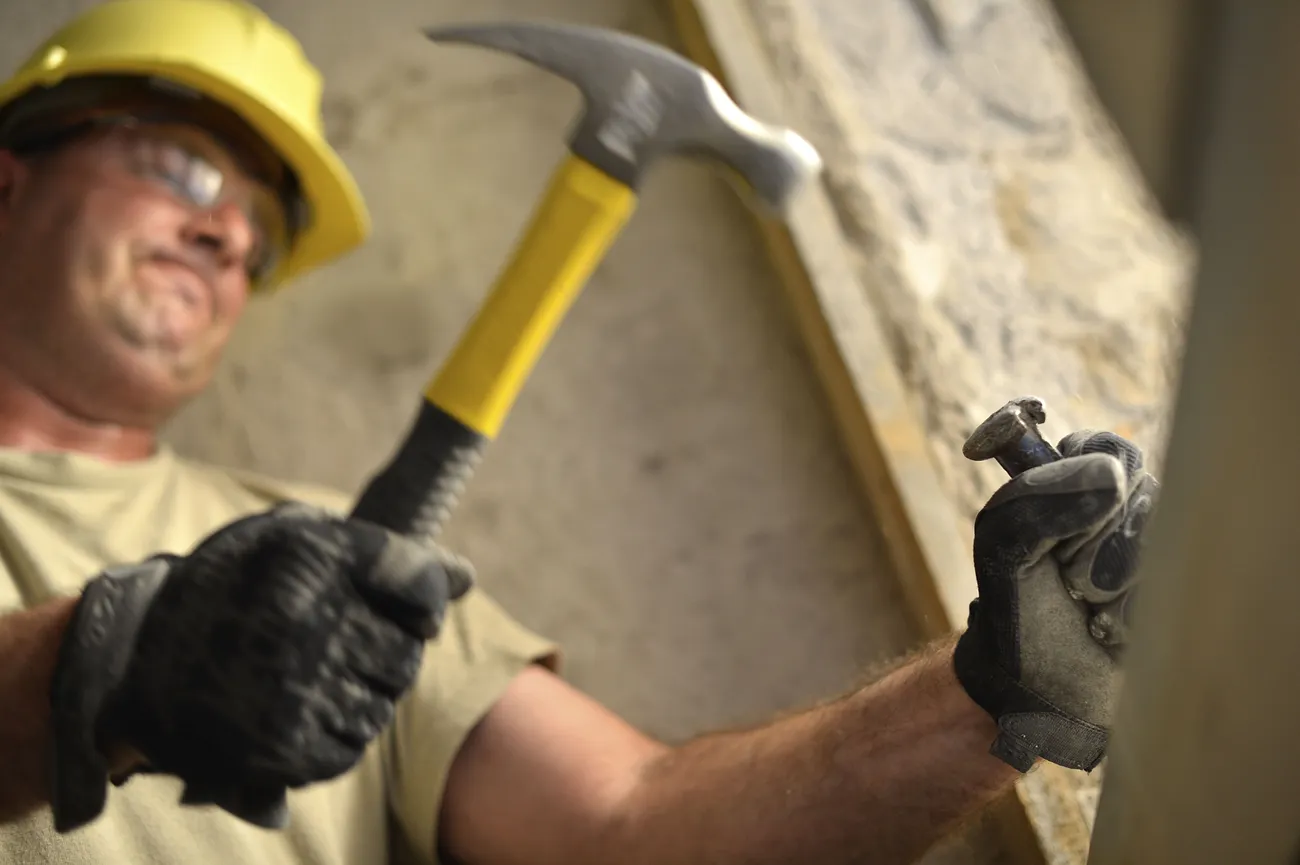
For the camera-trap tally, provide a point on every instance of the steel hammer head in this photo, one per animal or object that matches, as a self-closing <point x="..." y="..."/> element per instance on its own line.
<point x="643" y="101"/>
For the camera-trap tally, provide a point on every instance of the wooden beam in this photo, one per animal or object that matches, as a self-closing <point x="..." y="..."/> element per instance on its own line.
<point x="1205" y="760"/>
<point x="1042" y="820"/>
<point x="846" y="342"/>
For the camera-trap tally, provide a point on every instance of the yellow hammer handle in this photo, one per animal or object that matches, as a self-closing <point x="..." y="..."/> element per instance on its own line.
<point x="581" y="214"/>
<point x="465" y="405"/>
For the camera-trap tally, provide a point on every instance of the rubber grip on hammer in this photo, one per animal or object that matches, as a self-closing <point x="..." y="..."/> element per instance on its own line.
<point x="417" y="490"/>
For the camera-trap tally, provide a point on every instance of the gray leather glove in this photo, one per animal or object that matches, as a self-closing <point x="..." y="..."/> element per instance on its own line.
<point x="1055" y="552"/>
<point x="266" y="659"/>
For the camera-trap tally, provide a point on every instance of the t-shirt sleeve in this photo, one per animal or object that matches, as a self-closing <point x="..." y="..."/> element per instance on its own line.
<point x="465" y="671"/>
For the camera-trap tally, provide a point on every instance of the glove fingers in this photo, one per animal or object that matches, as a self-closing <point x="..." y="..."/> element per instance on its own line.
<point x="1117" y="555"/>
<point x="1088" y="441"/>
<point x="1100" y="572"/>
<point x="346" y="719"/>
<point x="261" y="805"/>
<point x="404" y="580"/>
<point x="460" y="574"/>
<point x="328" y="757"/>
<point x="1074" y="496"/>
<point x="363" y="720"/>
<point x="381" y="655"/>
<point x="1033" y="514"/>
<point x="315" y="752"/>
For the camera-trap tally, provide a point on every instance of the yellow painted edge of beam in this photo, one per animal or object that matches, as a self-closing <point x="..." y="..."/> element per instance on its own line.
<point x="1041" y="822"/>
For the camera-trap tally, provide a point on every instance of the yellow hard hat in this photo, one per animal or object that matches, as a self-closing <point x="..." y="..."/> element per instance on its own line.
<point x="232" y="53"/>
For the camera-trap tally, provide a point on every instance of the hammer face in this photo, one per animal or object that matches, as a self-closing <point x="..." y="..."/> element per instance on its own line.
<point x="774" y="161"/>
<point x="643" y="101"/>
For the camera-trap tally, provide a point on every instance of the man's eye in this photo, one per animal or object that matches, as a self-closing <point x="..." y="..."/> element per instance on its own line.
<point x="195" y="179"/>
<point x="170" y="162"/>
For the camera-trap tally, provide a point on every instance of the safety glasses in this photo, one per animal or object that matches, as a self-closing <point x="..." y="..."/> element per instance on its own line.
<point x="197" y="149"/>
<point x="192" y="167"/>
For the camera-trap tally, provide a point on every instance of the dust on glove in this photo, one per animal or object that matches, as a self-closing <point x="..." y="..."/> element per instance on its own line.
<point x="265" y="660"/>
<point x="1055" y="552"/>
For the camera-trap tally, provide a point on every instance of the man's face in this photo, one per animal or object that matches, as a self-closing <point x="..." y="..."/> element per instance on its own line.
<point x="119" y="291"/>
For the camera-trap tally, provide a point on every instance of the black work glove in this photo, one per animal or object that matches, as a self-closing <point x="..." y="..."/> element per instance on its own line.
<point x="1055" y="551"/>
<point x="265" y="660"/>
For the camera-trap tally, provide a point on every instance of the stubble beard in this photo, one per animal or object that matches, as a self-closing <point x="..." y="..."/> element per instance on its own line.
<point x="145" y="329"/>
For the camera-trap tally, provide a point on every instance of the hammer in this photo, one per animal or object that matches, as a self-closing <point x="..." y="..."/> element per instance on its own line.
<point x="641" y="102"/>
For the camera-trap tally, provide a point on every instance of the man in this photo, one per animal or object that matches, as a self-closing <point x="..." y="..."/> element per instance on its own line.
<point x="192" y="632"/>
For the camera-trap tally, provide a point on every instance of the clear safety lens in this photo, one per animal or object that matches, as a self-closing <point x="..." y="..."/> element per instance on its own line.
<point x="195" y="178"/>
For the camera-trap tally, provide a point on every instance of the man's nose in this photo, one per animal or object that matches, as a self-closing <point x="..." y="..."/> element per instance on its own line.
<point x="225" y="231"/>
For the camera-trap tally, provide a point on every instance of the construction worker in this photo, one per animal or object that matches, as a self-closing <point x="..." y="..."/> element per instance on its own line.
<point x="200" y="665"/>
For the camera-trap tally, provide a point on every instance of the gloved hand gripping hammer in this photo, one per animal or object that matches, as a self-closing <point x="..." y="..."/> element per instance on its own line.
<point x="641" y="101"/>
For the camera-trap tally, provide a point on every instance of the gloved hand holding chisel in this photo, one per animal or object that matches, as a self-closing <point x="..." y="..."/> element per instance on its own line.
<point x="1056" y="549"/>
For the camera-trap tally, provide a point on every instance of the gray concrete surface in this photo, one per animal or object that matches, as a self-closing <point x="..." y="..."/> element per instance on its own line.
<point x="669" y="499"/>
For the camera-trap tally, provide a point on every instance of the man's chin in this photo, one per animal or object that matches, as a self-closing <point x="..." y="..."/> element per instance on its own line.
<point x="156" y="334"/>
<point x="160" y="372"/>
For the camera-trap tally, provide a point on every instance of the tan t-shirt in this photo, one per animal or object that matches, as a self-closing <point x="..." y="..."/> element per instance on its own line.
<point x="64" y="517"/>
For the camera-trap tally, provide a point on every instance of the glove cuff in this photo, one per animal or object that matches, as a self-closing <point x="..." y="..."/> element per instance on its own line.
<point x="92" y="662"/>
<point x="1029" y="727"/>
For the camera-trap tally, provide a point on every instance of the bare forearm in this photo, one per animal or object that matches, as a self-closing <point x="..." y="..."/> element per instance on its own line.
<point x="29" y="646"/>
<point x="876" y="777"/>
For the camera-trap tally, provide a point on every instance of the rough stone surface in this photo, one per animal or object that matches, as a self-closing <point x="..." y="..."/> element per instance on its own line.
<point x="669" y="498"/>
<point x="998" y="224"/>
